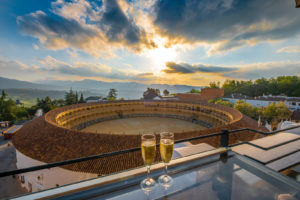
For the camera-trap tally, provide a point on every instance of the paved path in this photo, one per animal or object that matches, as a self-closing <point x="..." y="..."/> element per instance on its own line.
<point x="9" y="186"/>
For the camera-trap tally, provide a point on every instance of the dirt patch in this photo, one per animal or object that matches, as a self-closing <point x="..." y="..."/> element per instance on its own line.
<point x="140" y="125"/>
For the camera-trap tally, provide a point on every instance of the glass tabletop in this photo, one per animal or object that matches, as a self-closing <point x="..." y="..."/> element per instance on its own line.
<point x="215" y="177"/>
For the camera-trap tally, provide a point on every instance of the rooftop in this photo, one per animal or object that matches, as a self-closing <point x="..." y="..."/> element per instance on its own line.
<point x="245" y="170"/>
<point x="263" y="98"/>
<point x="207" y="174"/>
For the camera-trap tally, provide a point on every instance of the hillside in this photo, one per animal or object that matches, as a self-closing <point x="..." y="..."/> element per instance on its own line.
<point x="127" y="90"/>
<point x="13" y="83"/>
<point x="28" y="95"/>
<point x="29" y="91"/>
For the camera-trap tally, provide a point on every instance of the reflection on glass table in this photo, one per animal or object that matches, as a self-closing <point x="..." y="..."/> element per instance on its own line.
<point x="219" y="176"/>
<point x="231" y="179"/>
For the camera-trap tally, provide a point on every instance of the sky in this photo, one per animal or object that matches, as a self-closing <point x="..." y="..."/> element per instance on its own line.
<point x="191" y="42"/>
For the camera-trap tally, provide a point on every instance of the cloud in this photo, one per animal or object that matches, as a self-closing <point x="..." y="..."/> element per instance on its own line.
<point x="101" y="27"/>
<point x="185" y="68"/>
<point x="117" y="25"/>
<point x="97" y="30"/>
<point x="15" y="66"/>
<point x="52" y="68"/>
<point x="79" y="10"/>
<point x="63" y="33"/>
<point x="90" y="70"/>
<point x="16" y="69"/>
<point x="289" y="49"/>
<point x="266" y="70"/>
<point x="206" y="73"/>
<point x="50" y="64"/>
<point x="36" y="47"/>
<point x="227" y="24"/>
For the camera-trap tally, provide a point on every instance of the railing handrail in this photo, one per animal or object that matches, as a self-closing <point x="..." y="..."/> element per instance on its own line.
<point x="224" y="142"/>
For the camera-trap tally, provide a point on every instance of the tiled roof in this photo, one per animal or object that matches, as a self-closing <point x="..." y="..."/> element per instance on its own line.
<point x="43" y="140"/>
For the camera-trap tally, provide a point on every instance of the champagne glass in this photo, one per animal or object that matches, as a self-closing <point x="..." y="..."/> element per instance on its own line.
<point x="148" y="146"/>
<point x="166" y="150"/>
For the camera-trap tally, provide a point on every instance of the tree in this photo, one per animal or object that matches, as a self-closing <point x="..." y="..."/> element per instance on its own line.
<point x="8" y="108"/>
<point x="76" y="97"/>
<point x="193" y="90"/>
<point x="151" y="93"/>
<point x="288" y="85"/>
<point x="221" y="102"/>
<point x="247" y="109"/>
<point x="276" y="112"/>
<point x="45" y="104"/>
<point x="214" y="85"/>
<point x="71" y="98"/>
<point x="155" y="91"/>
<point x="112" y="94"/>
<point x="81" y="100"/>
<point x="58" y="102"/>
<point x="166" y="92"/>
<point x="22" y="113"/>
<point x="3" y="95"/>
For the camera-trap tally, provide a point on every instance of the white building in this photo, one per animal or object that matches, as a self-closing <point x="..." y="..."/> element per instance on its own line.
<point x="293" y="103"/>
<point x="46" y="178"/>
<point x="94" y="99"/>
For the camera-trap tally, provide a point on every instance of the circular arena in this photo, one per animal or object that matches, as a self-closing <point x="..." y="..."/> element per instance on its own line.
<point x="94" y="128"/>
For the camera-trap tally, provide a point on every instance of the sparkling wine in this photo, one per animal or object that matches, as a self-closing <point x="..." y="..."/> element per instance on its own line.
<point x="148" y="151"/>
<point x="166" y="149"/>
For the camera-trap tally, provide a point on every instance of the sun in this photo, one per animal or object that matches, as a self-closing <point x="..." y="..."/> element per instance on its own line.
<point x="160" y="55"/>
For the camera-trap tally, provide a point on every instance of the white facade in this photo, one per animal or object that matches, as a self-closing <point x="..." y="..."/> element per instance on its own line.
<point x="292" y="105"/>
<point x="93" y="101"/>
<point x="257" y="103"/>
<point x="46" y="178"/>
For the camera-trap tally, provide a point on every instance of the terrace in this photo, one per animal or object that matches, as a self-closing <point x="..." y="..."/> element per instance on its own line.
<point x="245" y="170"/>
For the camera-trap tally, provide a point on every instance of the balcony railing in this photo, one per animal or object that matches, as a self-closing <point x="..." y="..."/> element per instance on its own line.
<point x="224" y="141"/>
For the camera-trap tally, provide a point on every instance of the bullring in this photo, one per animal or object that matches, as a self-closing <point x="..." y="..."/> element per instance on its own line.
<point x="57" y="135"/>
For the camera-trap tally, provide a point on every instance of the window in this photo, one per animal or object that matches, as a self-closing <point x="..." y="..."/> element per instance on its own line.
<point x="293" y="103"/>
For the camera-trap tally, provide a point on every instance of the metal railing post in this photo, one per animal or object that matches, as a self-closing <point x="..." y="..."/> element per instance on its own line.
<point x="225" y="138"/>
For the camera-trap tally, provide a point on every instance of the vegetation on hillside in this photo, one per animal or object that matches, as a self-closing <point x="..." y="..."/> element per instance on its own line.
<point x="221" y="102"/>
<point x="9" y="111"/>
<point x="112" y="94"/>
<point x="288" y="85"/>
<point x="194" y="91"/>
<point x="166" y="92"/>
<point x="268" y="114"/>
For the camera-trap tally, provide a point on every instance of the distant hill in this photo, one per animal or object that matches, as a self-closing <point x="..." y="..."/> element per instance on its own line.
<point x="28" y="96"/>
<point x="13" y="83"/>
<point x="127" y="90"/>
<point x="29" y="91"/>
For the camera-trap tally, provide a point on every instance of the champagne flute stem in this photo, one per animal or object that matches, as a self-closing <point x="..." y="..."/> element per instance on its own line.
<point x="148" y="172"/>
<point x="166" y="169"/>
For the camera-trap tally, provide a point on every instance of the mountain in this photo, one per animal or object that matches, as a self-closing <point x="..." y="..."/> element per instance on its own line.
<point x="57" y="88"/>
<point x="28" y="96"/>
<point x="127" y="90"/>
<point x="13" y="83"/>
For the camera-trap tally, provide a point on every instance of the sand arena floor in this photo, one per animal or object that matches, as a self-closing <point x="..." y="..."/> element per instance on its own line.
<point x="142" y="125"/>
